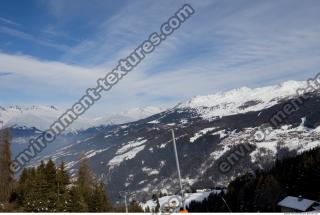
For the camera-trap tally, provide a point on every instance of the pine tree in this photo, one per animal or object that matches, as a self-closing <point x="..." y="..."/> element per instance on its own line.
<point x="134" y="207"/>
<point x="62" y="180"/>
<point x="99" y="201"/>
<point x="85" y="182"/>
<point x="157" y="209"/>
<point x="92" y="194"/>
<point x="6" y="175"/>
<point x="267" y="194"/>
<point x="27" y="190"/>
<point x="86" y="178"/>
<point x="48" y="189"/>
<point x="147" y="210"/>
<point x="154" y="197"/>
<point x="77" y="201"/>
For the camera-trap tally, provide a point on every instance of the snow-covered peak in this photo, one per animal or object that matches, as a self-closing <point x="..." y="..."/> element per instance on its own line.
<point x="17" y="108"/>
<point x="42" y="117"/>
<point x="39" y="116"/>
<point x="231" y="102"/>
<point x="242" y="99"/>
<point x="141" y="112"/>
<point x="128" y="115"/>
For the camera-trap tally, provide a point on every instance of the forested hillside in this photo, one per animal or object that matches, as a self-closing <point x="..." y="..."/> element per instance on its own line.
<point x="262" y="190"/>
<point x="48" y="188"/>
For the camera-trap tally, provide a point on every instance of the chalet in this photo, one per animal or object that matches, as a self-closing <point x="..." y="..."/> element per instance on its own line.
<point x="298" y="204"/>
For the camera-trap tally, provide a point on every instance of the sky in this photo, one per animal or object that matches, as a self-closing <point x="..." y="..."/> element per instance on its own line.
<point x="51" y="51"/>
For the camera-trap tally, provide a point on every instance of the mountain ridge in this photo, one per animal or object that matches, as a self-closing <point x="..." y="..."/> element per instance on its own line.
<point x="137" y="156"/>
<point x="42" y="116"/>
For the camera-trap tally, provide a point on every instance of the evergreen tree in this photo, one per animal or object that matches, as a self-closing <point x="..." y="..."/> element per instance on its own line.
<point x="50" y="184"/>
<point x="26" y="190"/>
<point x="134" y="207"/>
<point x="154" y="197"/>
<point x="267" y="194"/>
<point x="86" y="178"/>
<point x="147" y="210"/>
<point x="99" y="202"/>
<point x="48" y="189"/>
<point x="91" y="192"/>
<point x="85" y="182"/>
<point x="157" y="208"/>
<point x="77" y="201"/>
<point x="262" y="190"/>
<point x="6" y="175"/>
<point x="62" y="180"/>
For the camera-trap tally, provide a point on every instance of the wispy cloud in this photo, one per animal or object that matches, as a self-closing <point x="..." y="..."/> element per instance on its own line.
<point x="29" y="37"/>
<point x="226" y="44"/>
<point x="8" y="21"/>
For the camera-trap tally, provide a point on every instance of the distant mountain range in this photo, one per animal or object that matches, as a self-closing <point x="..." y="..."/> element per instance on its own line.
<point x="41" y="117"/>
<point x="137" y="156"/>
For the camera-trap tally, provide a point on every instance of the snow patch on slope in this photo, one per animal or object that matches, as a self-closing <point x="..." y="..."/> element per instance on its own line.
<point x="127" y="151"/>
<point x="201" y="133"/>
<point x="150" y="171"/>
<point x="130" y="145"/>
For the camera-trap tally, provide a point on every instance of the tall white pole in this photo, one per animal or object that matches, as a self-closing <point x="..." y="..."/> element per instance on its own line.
<point x="125" y="202"/>
<point x="178" y="167"/>
<point x="124" y="194"/>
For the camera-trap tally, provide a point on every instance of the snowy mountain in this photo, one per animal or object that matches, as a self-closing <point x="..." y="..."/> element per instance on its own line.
<point x="41" y="117"/>
<point x="127" y="116"/>
<point x="220" y="104"/>
<point x="242" y="100"/>
<point x="138" y="157"/>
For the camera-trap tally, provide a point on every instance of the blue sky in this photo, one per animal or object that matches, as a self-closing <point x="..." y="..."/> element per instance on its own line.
<point x="52" y="50"/>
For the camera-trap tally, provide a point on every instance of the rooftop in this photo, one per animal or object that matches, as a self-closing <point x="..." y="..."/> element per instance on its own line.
<point x="297" y="203"/>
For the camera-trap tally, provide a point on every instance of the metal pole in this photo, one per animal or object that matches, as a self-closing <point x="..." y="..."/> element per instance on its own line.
<point x="125" y="202"/>
<point x="124" y="194"/>
<point x="178" y="167"/>
<point x="226" y="204"/>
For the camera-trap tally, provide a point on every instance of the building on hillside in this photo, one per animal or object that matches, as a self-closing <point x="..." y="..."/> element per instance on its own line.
<point x="202" y="190"/>
<point x="298" y="204"/>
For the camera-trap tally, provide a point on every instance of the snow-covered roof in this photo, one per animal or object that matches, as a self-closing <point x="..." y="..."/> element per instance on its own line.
<point x="296" y="203"/>
<point x="317" y="208"/>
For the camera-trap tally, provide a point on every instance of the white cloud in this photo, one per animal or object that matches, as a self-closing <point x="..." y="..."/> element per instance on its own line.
<point x="224" y="45"/>
<point x="39" y="77"/>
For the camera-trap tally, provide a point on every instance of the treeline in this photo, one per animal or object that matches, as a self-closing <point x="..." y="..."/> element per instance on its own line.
<point x="48" y="188"/>
<point x="262" y="190"/>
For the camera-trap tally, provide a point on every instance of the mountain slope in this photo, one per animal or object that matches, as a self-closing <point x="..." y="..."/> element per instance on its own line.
<point x="242" y="100"/>
<point x="138" y="156"/>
